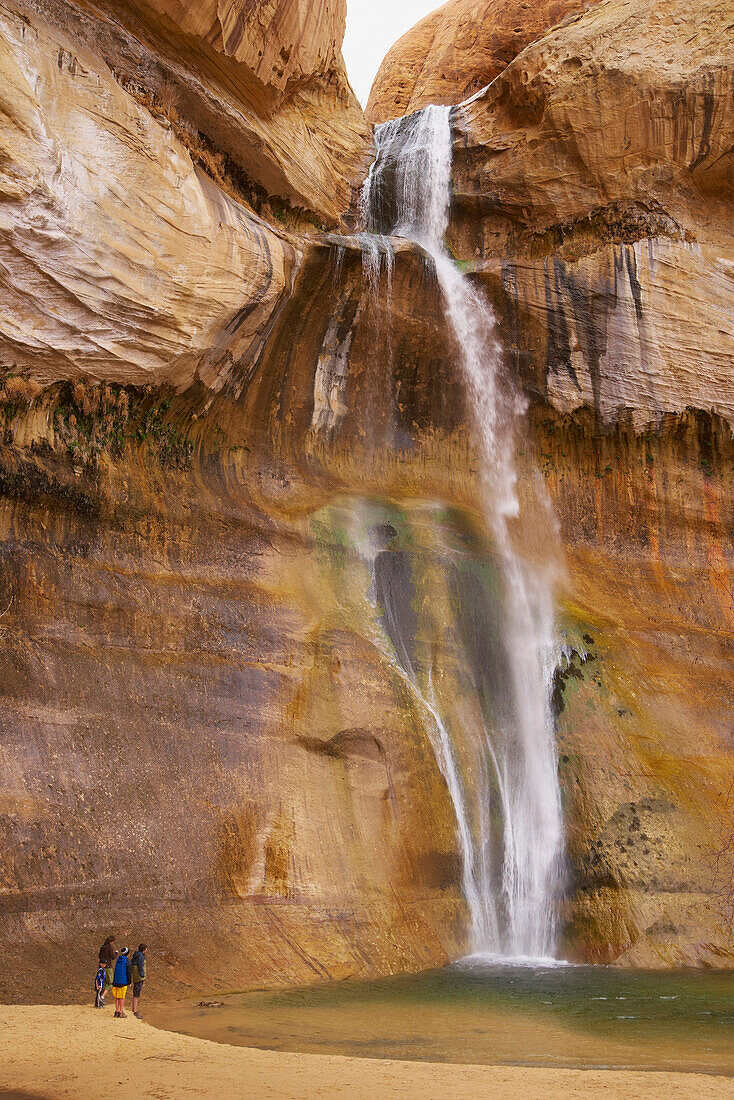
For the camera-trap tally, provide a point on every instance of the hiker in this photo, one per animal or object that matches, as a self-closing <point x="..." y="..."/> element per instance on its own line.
<point x="138" y="976"/>
<point x="100" y="980"/>
<point x="120" y="981"/>
<point x="107" y="956"/>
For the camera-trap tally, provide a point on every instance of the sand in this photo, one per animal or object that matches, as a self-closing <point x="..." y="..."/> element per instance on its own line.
<point x="81" y="1053"/>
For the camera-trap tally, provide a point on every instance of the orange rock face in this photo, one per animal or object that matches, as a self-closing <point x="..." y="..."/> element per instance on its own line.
<point x="281" y="43"/>
<point x="266" y="81"/>
<point x="263" y="85"/>
<point x="457" y="50"/>
<point x="230" y="466"/>
<point x="593" y="199"/>
<point x="606" y="149"/>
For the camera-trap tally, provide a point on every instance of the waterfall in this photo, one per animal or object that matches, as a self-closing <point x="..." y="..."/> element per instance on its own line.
<point x="512" y="895"/>
<point x="390" y="596"/>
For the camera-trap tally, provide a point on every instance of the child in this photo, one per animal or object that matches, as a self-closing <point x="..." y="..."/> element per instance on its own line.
<point x="99" y="984"/>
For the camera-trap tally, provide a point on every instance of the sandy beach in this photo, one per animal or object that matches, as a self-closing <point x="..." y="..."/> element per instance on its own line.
<point x="76" y="1053"/>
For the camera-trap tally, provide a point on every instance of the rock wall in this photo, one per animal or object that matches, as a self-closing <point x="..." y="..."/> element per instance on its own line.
<point x="644" y="703"/>
<point x="262" y="101"/>
<point x="201" y="747"/>
<point x="123" y="261"/>
<point x="593" y="186"/>
<point x="206" y="737"/>
<point x="236" y="475"/>
<point x="459" y="49"/>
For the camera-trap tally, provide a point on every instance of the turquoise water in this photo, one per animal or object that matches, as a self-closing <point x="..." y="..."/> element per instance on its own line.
<point x="560" y="1016"/>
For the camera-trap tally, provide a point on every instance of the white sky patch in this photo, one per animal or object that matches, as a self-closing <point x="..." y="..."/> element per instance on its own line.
<point x="372" y="27"/>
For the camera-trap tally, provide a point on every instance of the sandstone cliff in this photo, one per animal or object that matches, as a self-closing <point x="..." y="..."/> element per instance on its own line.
<point x="594" y="185"/>
<point x="258" y="93"/>
<point x="227" y="459"/>
<point x="197" y="739"/>
<point x="124" y="260"/>
<point x="459" y="49"/>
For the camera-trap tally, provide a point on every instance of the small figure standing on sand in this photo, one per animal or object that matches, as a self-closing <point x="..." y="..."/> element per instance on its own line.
<point x="121" y="980"/>
<point x="138" y="976"/>
<point x="99" y="987"/>
<point x="107" y="956"/>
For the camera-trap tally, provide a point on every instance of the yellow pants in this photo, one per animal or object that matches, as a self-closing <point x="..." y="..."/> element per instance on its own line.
<point x="119" y="992"/>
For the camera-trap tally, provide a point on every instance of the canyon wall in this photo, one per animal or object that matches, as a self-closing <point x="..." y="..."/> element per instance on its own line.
<point x="459" y="49"/>
<point x="200" y="745"/>
<point x="594" y="181"/>
<point x="237" y="476"/>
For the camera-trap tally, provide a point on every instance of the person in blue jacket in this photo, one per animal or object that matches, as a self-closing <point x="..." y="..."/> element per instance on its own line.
<point x="99" y="984"/>
<point x="121" y="979"/>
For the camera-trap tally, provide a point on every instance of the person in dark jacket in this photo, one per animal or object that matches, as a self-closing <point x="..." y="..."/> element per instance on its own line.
<point x="107" y="956"/>
<point x="139" y="976"/>
<point x="122" y="978"/>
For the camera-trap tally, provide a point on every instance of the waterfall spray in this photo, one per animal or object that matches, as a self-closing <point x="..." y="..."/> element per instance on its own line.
<point x="514" y="911"/>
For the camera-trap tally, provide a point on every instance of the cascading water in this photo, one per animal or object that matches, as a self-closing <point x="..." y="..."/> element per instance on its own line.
<point x="513" y="898"/>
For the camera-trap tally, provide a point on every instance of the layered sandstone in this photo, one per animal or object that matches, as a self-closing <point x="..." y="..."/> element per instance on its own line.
<point x="259" y="89"/>
<point x="627" y="104"/>
<point x="122" y="260"/>
<point x="593" y="185"/>
<point x="237" y="476"/>
<point x="204" y="731"/>
<point x="210" y="749"/>
<point x="459" y="49"/>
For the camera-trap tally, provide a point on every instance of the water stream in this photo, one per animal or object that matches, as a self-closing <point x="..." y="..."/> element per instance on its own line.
<point x="510" y="800"/>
